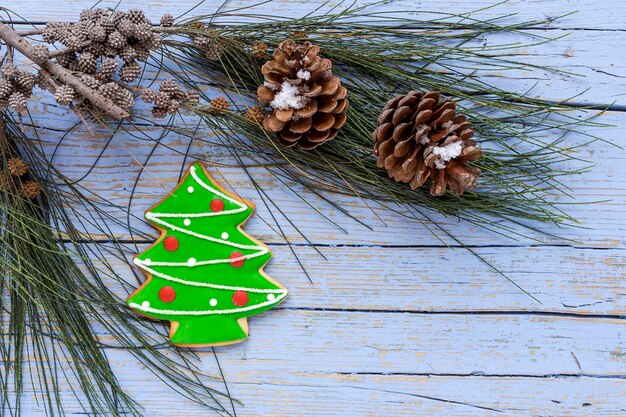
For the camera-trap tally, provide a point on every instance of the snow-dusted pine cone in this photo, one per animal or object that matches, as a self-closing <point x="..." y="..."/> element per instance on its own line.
<point x="29" y="189"/>
<point x="130" y="71"/>
<point x="16" y="166"/>
<point x="420" y="137"/>
<point x="308" y="102"/>
<point x="167" y="20"/>
<point x="65" y="95"/>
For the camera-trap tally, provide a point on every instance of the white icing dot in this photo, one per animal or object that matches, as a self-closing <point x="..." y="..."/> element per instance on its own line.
<point x="191" y="261"/>
<point x="224" y="236"/>
<point x="186" y="222"/>
<point x="190" y="189"/>
<point x="270" y="297"/>
<point x="147" y="261"/>
<point x="145" y="304"/>
<point x="213" y="302"/>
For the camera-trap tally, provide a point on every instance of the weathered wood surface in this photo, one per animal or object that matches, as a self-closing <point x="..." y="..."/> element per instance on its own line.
<point x="395" y="323"/>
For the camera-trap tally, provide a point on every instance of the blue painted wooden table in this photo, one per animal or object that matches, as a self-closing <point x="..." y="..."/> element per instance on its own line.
<point x="396" y="323"/>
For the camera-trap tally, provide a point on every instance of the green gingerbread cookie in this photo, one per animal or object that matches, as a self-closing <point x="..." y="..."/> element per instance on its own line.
<point x="205" y="275"/>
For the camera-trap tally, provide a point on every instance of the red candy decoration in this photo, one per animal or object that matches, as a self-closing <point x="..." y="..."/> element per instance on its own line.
<point x="217" y="205"/>
<point x="170" y="243"/>
<point x="237" y="263"/>
<point x="240" y="298"/>
<point x="167" y="294"/>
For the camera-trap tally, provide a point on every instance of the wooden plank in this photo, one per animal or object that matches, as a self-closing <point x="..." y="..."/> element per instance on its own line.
<point x="332" y="395"/>
<point x="117" y="169"/>
<point x="589" y="14"/>
<point x="565" y="280"/>
<point x="292" y="351"/>
<point x="389" y="342"/>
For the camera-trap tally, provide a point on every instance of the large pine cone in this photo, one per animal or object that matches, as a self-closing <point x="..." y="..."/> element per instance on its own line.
<point x="308" y="102"/>
<point x="418" y="138"/>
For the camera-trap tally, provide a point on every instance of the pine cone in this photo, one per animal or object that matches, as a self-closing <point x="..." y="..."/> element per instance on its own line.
<point x="418" y="137"/>
<point x="255" y="114"/>
<point x="25" y="80"/>
<point x="218" y="104"/>
<point x="308" y="102"/>
<point x="17" y="167"/>
<point x="29" y="189"/>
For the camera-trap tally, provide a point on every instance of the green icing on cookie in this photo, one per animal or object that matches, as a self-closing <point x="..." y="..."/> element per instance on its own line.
<point x="205" y="274"/>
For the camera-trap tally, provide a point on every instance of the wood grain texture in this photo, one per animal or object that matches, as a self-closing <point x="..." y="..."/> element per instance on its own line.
<point x="396" y="323"/>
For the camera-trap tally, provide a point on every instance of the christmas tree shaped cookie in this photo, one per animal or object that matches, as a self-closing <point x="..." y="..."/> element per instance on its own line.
<point x="205" y="275"/>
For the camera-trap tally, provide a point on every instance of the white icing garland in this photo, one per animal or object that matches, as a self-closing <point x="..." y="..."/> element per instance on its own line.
<point x="273" y="295"/>
<point x="156" y="217"/>
<point x="148" y="309"/>
<point x="208" y="285"/>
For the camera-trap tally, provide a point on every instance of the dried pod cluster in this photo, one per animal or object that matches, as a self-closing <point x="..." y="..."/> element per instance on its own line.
<point x="16" y="87"/>
<point x="210" y="45"/>
<point x="100" y="45"/>
<point x="420" y="137"/>
<point x="168" y="98"/>
<point x="308" y="102"/>
<point x="15" y="176"/>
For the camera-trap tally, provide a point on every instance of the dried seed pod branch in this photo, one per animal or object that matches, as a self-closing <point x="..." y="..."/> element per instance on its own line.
<point x="14" y="40"/>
